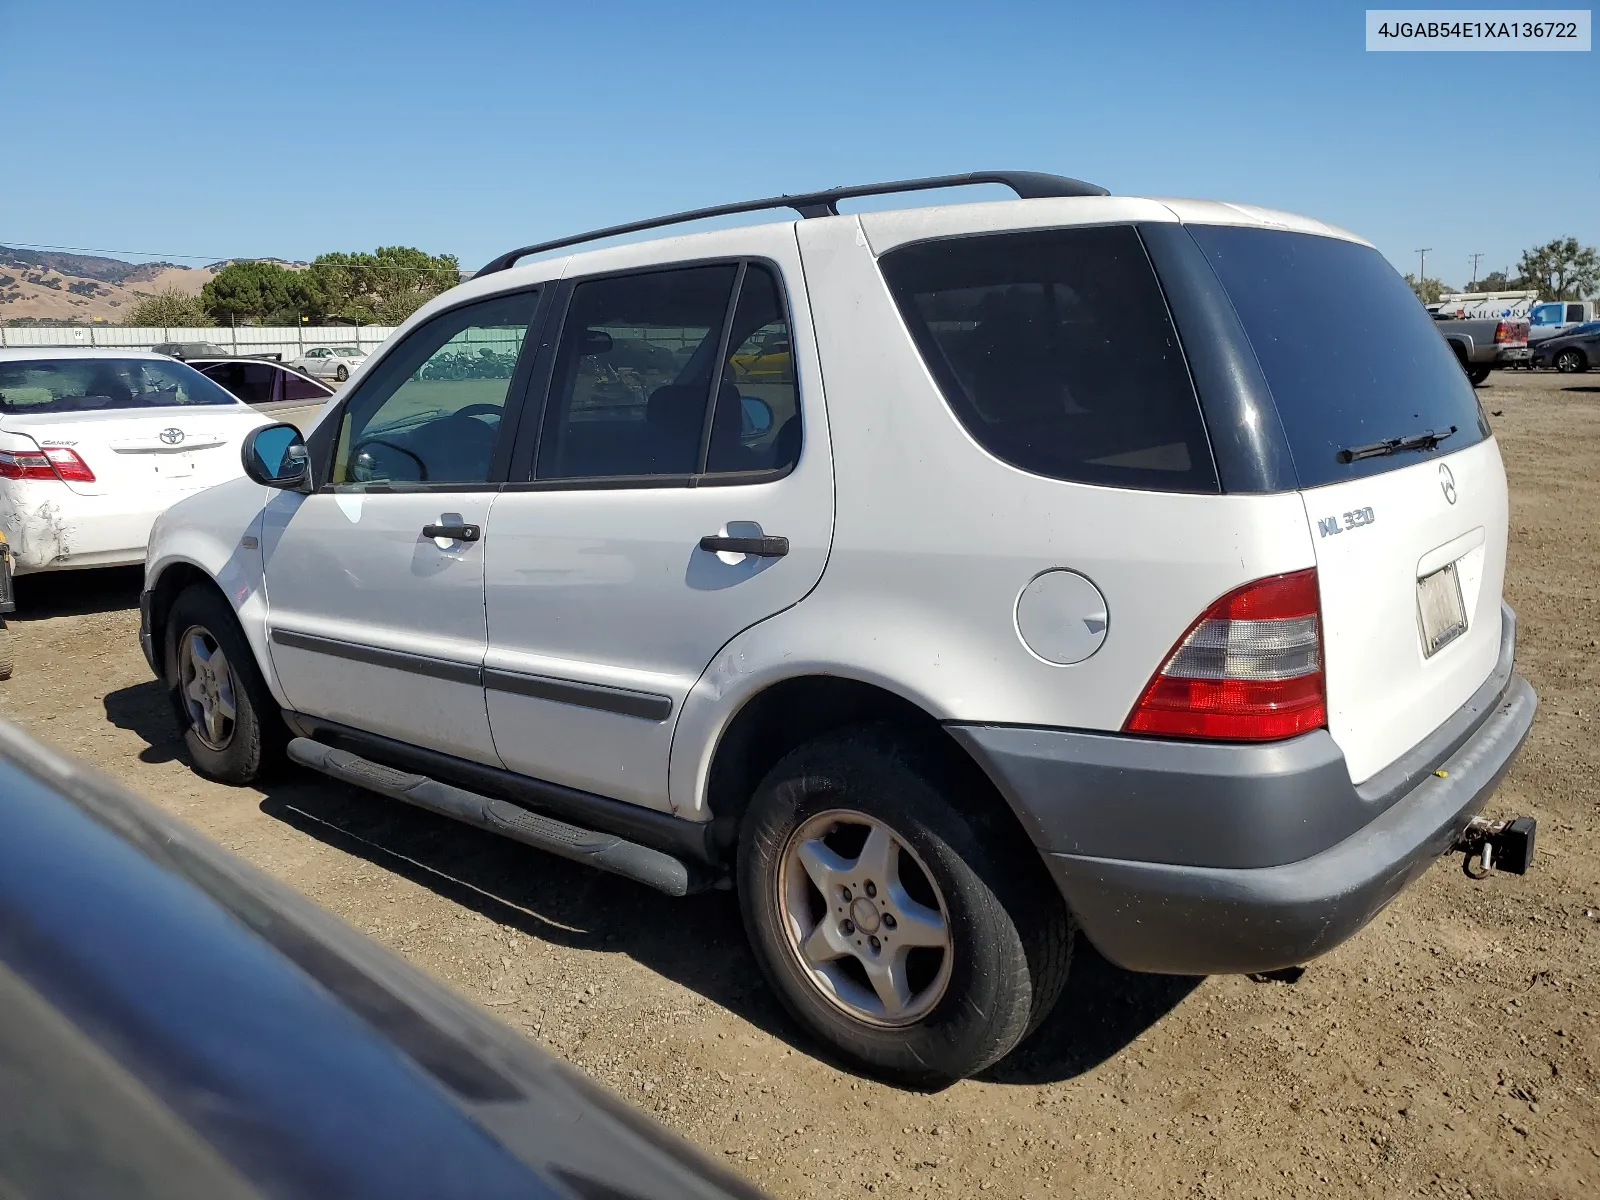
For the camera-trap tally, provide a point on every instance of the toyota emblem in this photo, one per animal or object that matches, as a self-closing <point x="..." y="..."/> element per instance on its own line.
<point x="1447" y="482"/>
<point x="171" y="437"/>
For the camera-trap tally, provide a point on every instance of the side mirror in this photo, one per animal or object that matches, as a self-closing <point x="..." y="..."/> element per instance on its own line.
<point x="594" y="341"/>
<point x="275" y="455"/>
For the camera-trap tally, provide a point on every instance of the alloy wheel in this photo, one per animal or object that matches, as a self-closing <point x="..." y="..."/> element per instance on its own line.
<point x="207" y="687"/>
<point x="864" y="918"/>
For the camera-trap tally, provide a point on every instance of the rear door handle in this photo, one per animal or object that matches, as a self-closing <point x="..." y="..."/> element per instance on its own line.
<point x="457" y="533"/>
<point x="761" y="547"/>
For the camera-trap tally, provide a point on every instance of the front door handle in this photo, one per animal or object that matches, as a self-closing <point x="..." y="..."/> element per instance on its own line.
<point x="761" y="547"/>
<point x="457" y="533"/>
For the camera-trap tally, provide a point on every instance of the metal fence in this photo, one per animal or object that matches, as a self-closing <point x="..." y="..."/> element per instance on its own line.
<point x="287" y="340"/>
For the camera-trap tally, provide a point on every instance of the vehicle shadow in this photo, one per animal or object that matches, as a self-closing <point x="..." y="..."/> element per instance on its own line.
<point x="1581" y="387"/>
<point x="697" y="942"/>
<point x="144" y="709"/>
<point x="76" y="593"/>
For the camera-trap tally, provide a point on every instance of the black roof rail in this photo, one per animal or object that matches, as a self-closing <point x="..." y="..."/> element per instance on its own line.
<point x="1028" y="185"/>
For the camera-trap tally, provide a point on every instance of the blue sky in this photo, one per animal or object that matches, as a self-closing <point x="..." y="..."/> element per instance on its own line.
<point x="292" y="128"/>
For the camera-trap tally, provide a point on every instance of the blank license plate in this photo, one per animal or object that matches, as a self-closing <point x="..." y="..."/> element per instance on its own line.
<point x="1444" y="616"/>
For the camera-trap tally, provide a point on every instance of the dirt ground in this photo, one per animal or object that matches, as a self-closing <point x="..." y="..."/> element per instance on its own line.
<point x="1452" y="1048"/>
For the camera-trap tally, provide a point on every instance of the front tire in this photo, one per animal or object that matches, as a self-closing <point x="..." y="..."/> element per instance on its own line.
<point x="1570" y="362"/>
<point x="888" y="911"/>
<point x="231" y="726"/>
<point x="342" y="374"/>
<point x="7" y="652"/>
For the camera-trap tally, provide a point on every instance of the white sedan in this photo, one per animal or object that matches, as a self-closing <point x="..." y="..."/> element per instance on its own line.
<point x="330" y="362"/>
<point x="95" y="444"/>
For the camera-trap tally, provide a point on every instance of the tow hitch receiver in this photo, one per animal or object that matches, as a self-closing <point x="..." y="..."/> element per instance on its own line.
<point x="1497" y="846"/>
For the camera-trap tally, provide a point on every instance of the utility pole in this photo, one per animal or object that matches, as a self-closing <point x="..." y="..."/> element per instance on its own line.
<point x="1422" y="264"/>
<point x="1475" y="259"/>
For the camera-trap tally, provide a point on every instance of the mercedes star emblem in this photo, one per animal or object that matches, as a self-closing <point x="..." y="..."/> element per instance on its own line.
<point x="171" y="437"/>
<point x="1447" y="482"/>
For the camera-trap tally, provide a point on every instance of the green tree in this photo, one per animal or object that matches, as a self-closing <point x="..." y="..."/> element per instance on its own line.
<point x="262" y="291"/>
<point x="1494" y="281"/>
<point x="169" y="308"/>
<point x="387" y="285"/>
<point x="1561" y="269"/>
<point x="1428" y="291"/>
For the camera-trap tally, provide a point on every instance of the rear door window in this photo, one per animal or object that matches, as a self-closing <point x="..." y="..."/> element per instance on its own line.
<point x="1056" y="351"/>
<point x="1351" y="357"/>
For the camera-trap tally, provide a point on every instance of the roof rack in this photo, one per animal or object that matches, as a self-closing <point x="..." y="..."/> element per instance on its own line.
<point x="1028" y="185"/>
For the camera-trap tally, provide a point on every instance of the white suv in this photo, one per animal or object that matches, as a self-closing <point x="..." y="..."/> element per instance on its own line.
<point x="946" y="579"/>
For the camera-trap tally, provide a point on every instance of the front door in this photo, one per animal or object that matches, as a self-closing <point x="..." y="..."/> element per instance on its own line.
<point x="661" y="515"/>
<point x="375" y="582"/>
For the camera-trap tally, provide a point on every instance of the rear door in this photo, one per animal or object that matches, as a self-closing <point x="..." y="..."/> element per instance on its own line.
<point x="1409" y="541"/>
<point x="605" y="600"/>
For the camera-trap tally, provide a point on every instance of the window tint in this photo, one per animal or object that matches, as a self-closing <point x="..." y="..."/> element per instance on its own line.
<point x="757" y="422"/>
<point x="1350" y="356"/>
<point x="297" y="387"/>
<point x="632" y="377"/>
<point x="1574" y="312"/>
<point x="1055" y="350"/>
<point x="251" y="382"/>
<point x="94" y="384"/>
<point x="431" y="412"/>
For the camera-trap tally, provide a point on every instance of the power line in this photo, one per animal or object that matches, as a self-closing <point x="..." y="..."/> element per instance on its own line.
<point x="207" y="258"/>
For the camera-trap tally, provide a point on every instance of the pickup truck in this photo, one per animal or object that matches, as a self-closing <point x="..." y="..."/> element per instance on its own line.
<point x="1484" y="344"/>
<point x="1557" y="317"/>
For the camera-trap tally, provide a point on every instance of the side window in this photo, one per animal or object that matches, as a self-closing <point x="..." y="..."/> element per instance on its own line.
<point x="255" y="380"/>
<point x="431" y="412"/>
<point x="1574" y="312"/>
<point x="632" y="377"/>
<point x="757" y="422"/>
<point x="1547" y="314"/>
<point x="297" y="387"/>
<point x="1056" y="351"/>
<point x="229" y="375"/>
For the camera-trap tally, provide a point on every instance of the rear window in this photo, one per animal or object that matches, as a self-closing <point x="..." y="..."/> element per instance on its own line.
<point x="1352" y="358"/>
<point x="94" y="384"/>
<point x="1056" y="351"/>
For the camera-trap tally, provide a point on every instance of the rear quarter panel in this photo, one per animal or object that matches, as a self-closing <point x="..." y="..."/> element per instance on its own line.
<point x="935" y="540"/>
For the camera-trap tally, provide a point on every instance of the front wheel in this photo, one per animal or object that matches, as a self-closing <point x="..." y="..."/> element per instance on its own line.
<point x="1570" y="361"/>
<point x="342" y="374"/>
<point x="882" y="915"/>
<point x="231" y="725"/>
<point x="7" y="659"/>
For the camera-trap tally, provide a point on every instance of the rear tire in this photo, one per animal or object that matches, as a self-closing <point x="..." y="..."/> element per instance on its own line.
<point x="1476" y="375"/>
<point x="884" y="990"/>
<point x="1570" y="361"/>
<point x="231" y="725"/>
<point x="7" y="652"/>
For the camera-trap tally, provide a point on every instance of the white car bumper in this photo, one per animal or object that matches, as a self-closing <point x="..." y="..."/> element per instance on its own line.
<point x="52" y="528"/>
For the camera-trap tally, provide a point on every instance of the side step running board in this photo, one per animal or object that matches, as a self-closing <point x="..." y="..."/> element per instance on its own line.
<point x="603" y="850"/>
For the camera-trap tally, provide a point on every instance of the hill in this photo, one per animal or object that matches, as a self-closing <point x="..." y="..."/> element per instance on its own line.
<point x="50" y="285"/>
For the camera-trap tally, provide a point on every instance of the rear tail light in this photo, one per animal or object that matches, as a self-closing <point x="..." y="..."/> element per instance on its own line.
<point x="1512" y="332"/>
<point x="1250" y="669"/>
<point x="52" y="462"/>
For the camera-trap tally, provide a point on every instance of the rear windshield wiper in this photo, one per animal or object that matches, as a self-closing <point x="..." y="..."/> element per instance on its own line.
<point x="1426" y="440"/>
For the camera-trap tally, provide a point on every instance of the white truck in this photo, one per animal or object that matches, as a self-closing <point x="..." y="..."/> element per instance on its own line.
<point x="1556" y="317"/>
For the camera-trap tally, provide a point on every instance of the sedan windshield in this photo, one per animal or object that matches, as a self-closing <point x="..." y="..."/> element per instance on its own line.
<point x="94" y="384"/>
<point x="346" y="352"/>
